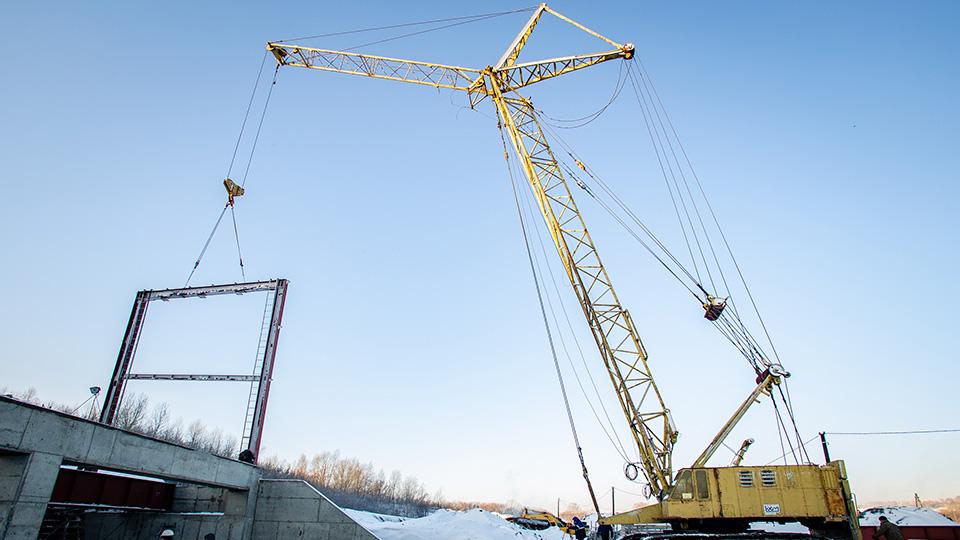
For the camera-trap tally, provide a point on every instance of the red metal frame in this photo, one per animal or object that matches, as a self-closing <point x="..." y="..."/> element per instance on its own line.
<point x="97" y="489"/>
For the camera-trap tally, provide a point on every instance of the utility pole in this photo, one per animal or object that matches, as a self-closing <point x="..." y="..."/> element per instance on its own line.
<point x="613" y="502"/>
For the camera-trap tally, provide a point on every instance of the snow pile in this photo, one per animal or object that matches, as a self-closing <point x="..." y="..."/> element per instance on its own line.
<point x="905" y="515"/>
<point x="473" y="524"/>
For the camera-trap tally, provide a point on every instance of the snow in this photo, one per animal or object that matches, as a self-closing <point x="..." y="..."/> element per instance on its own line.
<point x="905" y="515"/>
<point x="473" y="524"/>
<point x="478" y="524"/>
<point x="779" y="527"/>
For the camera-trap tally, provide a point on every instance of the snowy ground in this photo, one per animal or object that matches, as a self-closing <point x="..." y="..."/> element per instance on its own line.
<point x="904" y="515"/>
<point x="473" y="524"/>
<point x="480" y="525"/>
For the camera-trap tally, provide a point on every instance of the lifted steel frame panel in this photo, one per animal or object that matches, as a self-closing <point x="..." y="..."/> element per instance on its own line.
<point x="259" y="380"/>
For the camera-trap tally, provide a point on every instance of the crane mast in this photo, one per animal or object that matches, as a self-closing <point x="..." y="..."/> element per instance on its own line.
<point x="613" y="330"/>
<point x="610" y="323"/>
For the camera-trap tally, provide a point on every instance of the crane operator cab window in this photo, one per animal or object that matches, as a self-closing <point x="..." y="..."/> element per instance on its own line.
<point x="691" y="484"/>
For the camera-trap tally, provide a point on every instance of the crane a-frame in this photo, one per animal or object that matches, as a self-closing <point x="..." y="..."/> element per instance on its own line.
<point x="725" y="498"/>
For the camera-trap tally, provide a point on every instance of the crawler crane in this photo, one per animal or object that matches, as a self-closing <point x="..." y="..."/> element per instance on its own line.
<point x="702" y="498"/>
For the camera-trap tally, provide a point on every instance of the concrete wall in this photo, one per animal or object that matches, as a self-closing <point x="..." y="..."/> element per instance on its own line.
<point x="197" y="511"/>
<point x="224" y="496"/>
<point x="294" y="509"/>
<point x="12" y="467"/>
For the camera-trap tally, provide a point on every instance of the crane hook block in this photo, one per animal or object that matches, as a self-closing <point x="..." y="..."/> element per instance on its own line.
<point x="714" y="307"/>
<point x="233" y="190"/>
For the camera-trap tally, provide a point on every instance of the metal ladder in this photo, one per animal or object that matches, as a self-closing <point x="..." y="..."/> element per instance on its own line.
<point x="257" y="371"/>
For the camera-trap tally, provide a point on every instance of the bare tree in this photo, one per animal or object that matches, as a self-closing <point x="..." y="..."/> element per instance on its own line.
<point x="158" y="420"/>
<point x="132" y="413"/>
<point x="196" y="432"/>
<point x="300" y="467"/>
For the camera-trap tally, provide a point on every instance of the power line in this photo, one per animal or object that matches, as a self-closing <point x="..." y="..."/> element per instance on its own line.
<point x="895" y="432"/>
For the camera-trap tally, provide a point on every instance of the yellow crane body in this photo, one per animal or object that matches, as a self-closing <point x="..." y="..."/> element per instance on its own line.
<point x="726" y="499"/>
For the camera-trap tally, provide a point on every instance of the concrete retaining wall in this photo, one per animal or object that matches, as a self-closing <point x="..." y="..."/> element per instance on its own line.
<point x="294" y="509"/>
<point x="215" y="495"/>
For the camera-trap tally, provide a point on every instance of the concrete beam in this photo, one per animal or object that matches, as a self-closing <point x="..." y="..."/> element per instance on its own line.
<point x="28" y="428"/>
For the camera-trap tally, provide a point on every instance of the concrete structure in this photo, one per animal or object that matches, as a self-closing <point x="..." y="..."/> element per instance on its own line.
<point x="215" y="495"/>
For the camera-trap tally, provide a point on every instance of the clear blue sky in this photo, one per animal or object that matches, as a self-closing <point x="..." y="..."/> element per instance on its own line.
<point x="825" y="134"/>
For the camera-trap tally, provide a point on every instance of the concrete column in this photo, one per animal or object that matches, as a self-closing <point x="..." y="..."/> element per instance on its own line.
<point x="30" y="502"/>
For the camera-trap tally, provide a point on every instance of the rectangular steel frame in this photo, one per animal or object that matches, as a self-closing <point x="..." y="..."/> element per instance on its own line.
<point x="259" y="381"/>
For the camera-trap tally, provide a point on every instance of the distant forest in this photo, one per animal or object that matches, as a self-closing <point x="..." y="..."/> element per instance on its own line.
<point x="345" y="481"/>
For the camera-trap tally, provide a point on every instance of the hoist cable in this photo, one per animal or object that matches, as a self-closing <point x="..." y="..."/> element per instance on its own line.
<point x="230" y="169"/>
<point x="636" y="237"/>
<point x="546" y="324"/>
<point x="656" y="104"/>
<point x="781" y="431"/>
<point x="617" y="444"/>
<point x="788" y="404"/>
<point x="815" y="437"/>
<point x="648" y="85"/>
<point x="665" y="165"/>
<point x="392" y="26"/>
<point x="621" y="82"/>
<point x="572" y="173"/>
<point x="256" y="138"/>
<point x="731" y="328"/>
<point x="719" y="229"/>
<point x="243" y="126"/>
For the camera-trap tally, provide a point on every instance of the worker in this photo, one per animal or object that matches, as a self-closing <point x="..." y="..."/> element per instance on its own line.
<point x="604" y="530"/>
<point x="888" y="530"/>
<point x="581" y="528"/>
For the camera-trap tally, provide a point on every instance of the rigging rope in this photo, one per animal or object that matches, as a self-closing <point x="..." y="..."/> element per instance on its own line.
<point x="464" y="20"/>
<point x="695" y="231"/>
<point x="621" y="80"/>
<point x="205" y="245"/>
<point x="916" y="432"/>
<point x="653" y="94"/>
<point x="608" y="426"/>
<point x="237" y="235"/>
<point x="546" y="324"/>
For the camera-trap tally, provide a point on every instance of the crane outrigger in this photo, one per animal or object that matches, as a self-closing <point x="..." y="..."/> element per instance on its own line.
<point x="700" y="497"/>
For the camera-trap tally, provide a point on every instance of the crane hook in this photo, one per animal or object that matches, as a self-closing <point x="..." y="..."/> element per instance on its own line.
<point x="233" y="190"/>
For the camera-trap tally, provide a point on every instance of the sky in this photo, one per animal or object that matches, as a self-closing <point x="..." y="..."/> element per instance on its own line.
<point x="823" y="134"/>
